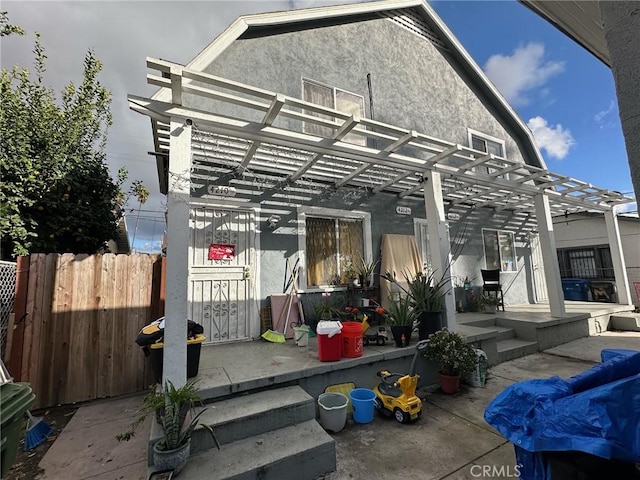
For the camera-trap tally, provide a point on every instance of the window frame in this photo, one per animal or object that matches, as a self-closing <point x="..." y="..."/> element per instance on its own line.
<point x="500" y="259"/>
<point x="603" y="265"/>
<point x="322" y="212"/>
<point x="484" y="137"/>
<point x="349" y="138"/>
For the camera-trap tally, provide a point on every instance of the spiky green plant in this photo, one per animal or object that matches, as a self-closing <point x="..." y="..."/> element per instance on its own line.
<point x="178" y="404"/>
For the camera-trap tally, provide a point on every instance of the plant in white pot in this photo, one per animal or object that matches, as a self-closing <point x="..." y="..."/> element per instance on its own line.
<point x="176" y="413"/>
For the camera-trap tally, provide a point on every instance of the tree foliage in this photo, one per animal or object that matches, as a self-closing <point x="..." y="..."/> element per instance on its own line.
<point x="57" y="194"/>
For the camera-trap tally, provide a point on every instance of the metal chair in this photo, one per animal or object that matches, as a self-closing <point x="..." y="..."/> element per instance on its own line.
<point x="492" y="286"/>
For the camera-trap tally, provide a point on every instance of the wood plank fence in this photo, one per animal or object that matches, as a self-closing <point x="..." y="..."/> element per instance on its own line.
<point x="77" y="317"/>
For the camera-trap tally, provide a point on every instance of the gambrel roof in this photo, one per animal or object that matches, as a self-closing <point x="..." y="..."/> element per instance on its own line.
<point x="287" y="158"/>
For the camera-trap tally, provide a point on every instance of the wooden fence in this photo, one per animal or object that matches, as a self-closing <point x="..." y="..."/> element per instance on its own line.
<point x="77" y="317"/>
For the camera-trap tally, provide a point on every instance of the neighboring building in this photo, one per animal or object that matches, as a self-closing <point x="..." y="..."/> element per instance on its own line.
<point x="381" y="124"/>
<point x="120" y="244"/>
<point x="584" y="251"/>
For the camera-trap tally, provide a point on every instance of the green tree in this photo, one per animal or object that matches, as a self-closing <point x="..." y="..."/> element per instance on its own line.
<point x="57" y="194"/>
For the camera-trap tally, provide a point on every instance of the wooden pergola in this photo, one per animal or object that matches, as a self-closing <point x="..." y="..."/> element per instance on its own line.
<point x="265" y="137"/>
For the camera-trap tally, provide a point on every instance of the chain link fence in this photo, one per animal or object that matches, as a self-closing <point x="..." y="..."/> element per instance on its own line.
<point x="7" y="295"/>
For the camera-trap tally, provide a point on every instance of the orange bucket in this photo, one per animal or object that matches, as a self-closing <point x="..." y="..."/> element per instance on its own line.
<point x="351" y="339"/>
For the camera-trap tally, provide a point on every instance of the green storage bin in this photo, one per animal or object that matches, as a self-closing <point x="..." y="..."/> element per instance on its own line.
<point x="15" y="400"/>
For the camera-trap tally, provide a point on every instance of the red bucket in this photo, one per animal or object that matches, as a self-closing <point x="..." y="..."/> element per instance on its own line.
<point x="351" y="339"/>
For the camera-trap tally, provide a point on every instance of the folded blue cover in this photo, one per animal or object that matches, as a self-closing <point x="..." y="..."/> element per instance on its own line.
<point x="596" y="412"/>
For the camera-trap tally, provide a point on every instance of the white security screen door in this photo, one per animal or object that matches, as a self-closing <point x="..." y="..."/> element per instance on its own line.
<point x="221" y="271"/>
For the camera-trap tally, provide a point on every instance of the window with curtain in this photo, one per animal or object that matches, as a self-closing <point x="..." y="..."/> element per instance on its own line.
<point x="336" y="99"/>
<point x="332" y="246"/>
<point x="499" y="250"/>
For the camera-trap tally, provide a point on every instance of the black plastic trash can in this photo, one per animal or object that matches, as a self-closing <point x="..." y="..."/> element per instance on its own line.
<point x="603" y="291"/>
<point x="15" y="400"/>
<point x="194" y="345"/>
<point x="575" y="289"/>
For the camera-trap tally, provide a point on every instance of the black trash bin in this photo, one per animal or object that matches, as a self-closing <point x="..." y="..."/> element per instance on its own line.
<point x="193" y="357"/>
<point x="151" y="339"/>
<point x="603" y="291"/>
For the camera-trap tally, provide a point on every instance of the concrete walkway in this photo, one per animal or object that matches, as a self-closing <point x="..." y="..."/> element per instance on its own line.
<point x="450" y="441"/>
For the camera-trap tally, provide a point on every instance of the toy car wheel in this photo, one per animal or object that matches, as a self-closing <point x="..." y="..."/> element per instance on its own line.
<point x="377" y="404"/>
<point x="400" y="416"/>
<point x="380" y="341"/>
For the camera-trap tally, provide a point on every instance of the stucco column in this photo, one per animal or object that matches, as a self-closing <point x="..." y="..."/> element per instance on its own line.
<point x="617" y="257"/>
<point x="439" y="243"/>
<point x="621" y="20"/>
<point x="549" y="256"/>
<point x="178" y="237"/>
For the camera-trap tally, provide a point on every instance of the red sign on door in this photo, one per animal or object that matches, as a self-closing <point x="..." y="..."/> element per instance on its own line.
<point x="221" y="251"/>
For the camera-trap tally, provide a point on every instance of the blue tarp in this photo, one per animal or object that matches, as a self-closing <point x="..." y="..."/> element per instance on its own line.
<point x="596" y="412"/>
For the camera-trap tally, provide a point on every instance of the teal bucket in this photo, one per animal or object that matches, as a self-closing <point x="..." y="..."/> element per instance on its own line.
<point x="362" y="402"/>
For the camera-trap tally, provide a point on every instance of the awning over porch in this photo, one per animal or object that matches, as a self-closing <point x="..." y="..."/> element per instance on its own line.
<point x="265" y="145"/>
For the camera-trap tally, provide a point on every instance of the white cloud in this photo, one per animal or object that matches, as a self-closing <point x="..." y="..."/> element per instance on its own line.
<point x="600" y="116"/>
<point x="518" y="74"/>
<point x="555" y="140"/>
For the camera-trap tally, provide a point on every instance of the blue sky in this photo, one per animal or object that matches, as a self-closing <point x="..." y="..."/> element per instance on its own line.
<point x="565" y="94"/>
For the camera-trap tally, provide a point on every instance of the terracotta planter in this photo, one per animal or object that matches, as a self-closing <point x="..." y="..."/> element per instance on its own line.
<point x="449" y="383"/>
<point x="428" y="323"/>
<point x="398" y="331"/>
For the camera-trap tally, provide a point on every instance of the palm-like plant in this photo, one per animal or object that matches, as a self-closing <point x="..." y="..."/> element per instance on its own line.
<point x="179" y="403"/>
<point x="400" y="312"/>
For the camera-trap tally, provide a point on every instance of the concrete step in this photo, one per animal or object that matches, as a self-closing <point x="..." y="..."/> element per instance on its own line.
<point x="300" y="452"/>
<point x="247" y="415"/>
<point x="504" y="333"/>
<point x="514" y="348"/>
<point x="490" y="321"/>
<point x="628" y="322"/>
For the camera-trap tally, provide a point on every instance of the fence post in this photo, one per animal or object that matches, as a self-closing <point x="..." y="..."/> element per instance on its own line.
<point x="14" y="365"/>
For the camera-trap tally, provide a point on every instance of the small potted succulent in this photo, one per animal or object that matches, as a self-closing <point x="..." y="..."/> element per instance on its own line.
<point x="453" y="356"/>
<point x="490" y="303"/>
<point x="400" y="315"/>
<point x="175" y="410"/>
<point x="365" y="271"/>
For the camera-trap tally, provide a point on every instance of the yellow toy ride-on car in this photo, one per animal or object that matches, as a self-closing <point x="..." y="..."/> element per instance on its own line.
<point x="396" y="393"/>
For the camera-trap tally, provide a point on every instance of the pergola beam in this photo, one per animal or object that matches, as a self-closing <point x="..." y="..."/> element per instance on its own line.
<point x="388" y="169"/>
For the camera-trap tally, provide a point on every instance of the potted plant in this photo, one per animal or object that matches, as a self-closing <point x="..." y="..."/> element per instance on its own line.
<point x="452" y="355"/>
<point x="178" y="421"/>
<point x="400" y="315"/>
<point x="326" y="309"/>
<point x="490" y="303"/>
<point x="365" y="271"/>
<point x="427" y="294"/>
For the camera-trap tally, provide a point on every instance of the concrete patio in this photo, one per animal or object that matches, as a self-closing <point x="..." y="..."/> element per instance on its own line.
<point x="446" y="443"/>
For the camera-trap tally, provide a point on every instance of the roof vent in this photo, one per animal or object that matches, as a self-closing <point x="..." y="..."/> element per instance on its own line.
<point x="415" y="24"/>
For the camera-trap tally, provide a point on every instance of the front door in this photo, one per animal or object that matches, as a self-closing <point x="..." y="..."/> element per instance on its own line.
<point x="221" y="273"/>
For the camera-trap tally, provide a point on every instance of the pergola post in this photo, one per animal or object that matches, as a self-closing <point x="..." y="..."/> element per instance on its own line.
<point x="439" y="243"/>
<point x="549" y="256"/>
<point x="617" y="257"/>
<point x="178" y="238"/>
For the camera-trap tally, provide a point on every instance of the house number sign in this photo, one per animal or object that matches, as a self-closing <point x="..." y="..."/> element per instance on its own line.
<point x="222" y="190"/>
<point x="400" y="210"/>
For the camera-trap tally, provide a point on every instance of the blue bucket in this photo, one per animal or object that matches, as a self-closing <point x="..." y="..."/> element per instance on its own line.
<point x="362" y="403"/>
